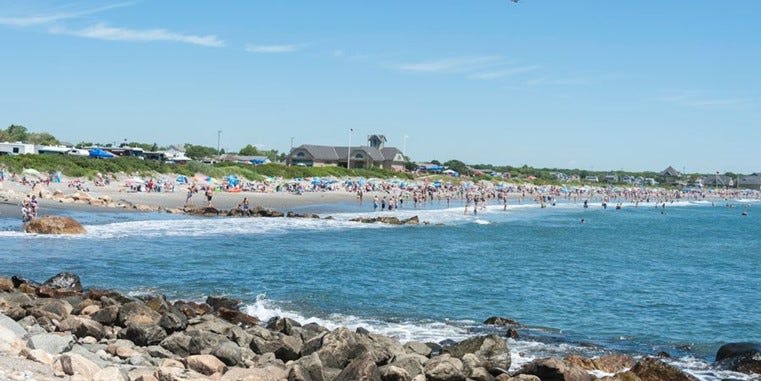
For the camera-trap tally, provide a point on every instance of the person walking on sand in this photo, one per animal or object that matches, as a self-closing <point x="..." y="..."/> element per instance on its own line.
<point x="209" y="194"/>
<point x="190" y="195"/>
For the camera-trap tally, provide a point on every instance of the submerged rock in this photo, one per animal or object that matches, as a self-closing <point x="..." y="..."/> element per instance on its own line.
<point x="740" y="357"/>
<point x="54" y="225"/>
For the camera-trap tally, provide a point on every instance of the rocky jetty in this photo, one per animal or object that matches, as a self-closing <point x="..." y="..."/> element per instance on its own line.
<point x="54" y="225"/>
<point x="58" y="331"/>
<point x="391" y="220"/>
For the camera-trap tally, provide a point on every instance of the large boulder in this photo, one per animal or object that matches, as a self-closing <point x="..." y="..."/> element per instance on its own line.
<point x="552" y="369"/>
<point x="652" y="369"/>
<point x="137" y="313"/>
<point x="143" y="334"/>
<point x="444" y="368"/>
<point x="205" y="364"/>
<point x="360" y="369"/>
<point x="54" y="225"/>
<point x="51" y="343"/>
<point x="64" y="281"/>
<point x="491" y="350"/>
<point x="740" y="357"/>
<point x="220" y="301"/>
<point x="82" y="327"/>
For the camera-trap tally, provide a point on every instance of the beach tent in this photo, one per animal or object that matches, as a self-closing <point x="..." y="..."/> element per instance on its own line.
<point x="100" y="154"/>
<point x="232" y="180"/>
<point x="182" y="179"/>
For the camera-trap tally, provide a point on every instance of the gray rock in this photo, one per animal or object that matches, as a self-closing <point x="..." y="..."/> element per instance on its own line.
<point x="88" y="354"/>
<point x="393" y="373"/>
<point x="444" y="368"/>
<point x="220" y="301"/>
<point x="64" y="280"/>
<point x="177" y="343"/>
<point x="203" y="342"/>
<point x="137" y="313"/>
<point x="417" y="348"/>
<point x="82" y="327"/>
<point x="111" y="373"/>
<point x="173" y="320"/>
<point x="740" y="357"/>
<point x="413" y="363"/>
<point x="491" y="349"/>
<point x="229" y="353"/>
<point x="52" y="343"/>
<point x="143" y="334"/>
<point x="107" y="315"/>
<point x="361" y="368"/>
<point x="282" y="324"/>
<point x="308" y="368"/>
<point x="555" y="369"/>
<point x="10" y="330"/>
<point x="284" y="347"/>
<point x="159" y="352"/>
<point x="57" y="309"/>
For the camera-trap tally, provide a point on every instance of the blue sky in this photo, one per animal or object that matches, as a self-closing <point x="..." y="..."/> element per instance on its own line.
<point x="635" y="85"/>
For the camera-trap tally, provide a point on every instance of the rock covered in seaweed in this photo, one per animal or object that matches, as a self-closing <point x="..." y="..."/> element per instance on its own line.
<point x="54" y="225"/>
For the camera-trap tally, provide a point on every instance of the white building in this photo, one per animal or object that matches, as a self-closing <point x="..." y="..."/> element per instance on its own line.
<point x="17" y="148"/>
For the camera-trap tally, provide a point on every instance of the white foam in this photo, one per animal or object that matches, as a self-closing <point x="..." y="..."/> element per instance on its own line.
<point x="265" y="309"/>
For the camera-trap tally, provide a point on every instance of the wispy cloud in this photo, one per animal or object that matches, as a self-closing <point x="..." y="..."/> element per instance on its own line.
<point x="696" y="98"/>
<point x="471" y="67"/>
<point x="451" y="65"/>
<point x="105" y="32"/>
<point x="48" y="17"/>
<point x="502" y="73"/>
<point x="272" y="48"/>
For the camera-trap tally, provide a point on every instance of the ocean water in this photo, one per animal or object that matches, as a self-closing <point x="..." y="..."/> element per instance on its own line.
<point x="640" y="280"/>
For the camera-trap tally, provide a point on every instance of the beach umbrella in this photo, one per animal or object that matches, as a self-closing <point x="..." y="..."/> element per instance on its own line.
<point x="31" y="172"/>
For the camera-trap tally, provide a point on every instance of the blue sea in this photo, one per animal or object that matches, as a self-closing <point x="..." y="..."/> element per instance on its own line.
<point x="683" y="279"/>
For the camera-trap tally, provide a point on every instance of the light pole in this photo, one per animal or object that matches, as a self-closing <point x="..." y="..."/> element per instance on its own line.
<point x="289" y="152"/>
<point x="348" y="153"/>
<point x="219" y="139"/>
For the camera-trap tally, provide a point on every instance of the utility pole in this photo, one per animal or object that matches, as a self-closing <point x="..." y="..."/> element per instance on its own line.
<point x="219" y="139"/>
<point x="348" y="155"/>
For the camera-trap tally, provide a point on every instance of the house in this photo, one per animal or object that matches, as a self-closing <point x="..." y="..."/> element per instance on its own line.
<point x="17" y="148"/>
<point x="610" y="178"/>
<point x="560" y="176"/>
<point x="718" y="181"/>
<point x="373" y="155"/>
<point x="750" y="182"/>
<point x="670" y="175"/>
<point x="591" y="179"/>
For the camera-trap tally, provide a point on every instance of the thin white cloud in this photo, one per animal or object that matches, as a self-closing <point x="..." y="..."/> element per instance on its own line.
<point x="695" y="98"/>
<point x="502" y="73"/>
<point x="48" y="17"/>
<point x="271" y="48"/>
<point x="105" y="32"/>
<point x="451" y="65"/>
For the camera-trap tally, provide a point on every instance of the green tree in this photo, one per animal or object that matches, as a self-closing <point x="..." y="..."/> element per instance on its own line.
<point x="42" y="138"/>
<point x="14" y="133"/>
<point x="198" y="152"/>
<point x="249" y="150"/>
<point x="458" y="166"/>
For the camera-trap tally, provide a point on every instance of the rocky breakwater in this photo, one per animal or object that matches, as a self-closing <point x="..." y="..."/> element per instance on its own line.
<point x="54" y="225"/>
<point x="56" y="330"/>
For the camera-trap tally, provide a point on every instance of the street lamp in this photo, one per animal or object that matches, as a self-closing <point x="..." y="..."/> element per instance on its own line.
<point x="219" y="139"/>
<point x="348" y="153"/>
